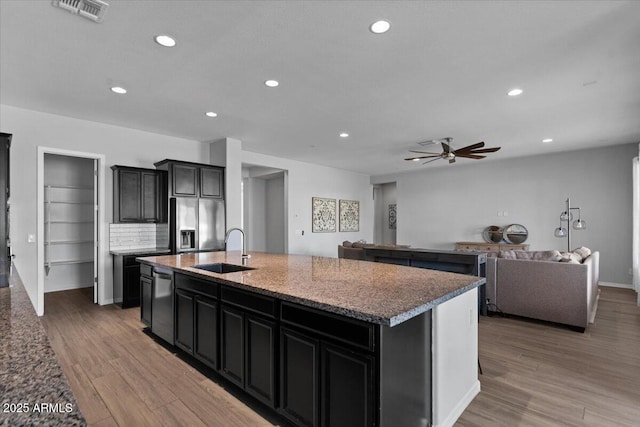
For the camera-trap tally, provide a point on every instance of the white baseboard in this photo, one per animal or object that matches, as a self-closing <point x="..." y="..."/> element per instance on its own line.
<point x="615" y="285"/>
<point x="107" y="301"/>
<point x="460" y="407"/>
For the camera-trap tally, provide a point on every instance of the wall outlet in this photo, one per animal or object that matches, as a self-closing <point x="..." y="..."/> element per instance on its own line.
<point x="505" y="213"/>
<point x="31" y="238"/>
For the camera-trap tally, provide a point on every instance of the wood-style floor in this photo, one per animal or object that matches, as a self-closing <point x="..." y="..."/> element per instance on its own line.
<point x="534" y="374"/>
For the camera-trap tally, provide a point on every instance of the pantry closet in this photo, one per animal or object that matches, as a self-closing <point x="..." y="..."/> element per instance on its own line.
<point x="70" y="219"/>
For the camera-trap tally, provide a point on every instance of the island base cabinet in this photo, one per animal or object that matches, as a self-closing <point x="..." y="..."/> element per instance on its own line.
<point x="146" y="289"/>
<point x="184" y="321"/>
<point x="259" y="357"/>
<point x="347" y="388"/>
<point x="299" y="377"/>
<point x="206" y="333"/>
<point x="232" y="344"/>
<point x="247" y="346"/>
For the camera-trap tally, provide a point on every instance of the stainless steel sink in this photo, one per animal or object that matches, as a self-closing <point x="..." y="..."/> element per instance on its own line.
<point x="222" y="267"/>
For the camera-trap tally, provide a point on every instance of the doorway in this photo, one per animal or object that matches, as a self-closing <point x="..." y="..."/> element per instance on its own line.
<point x="70" y="215"/>
<point x="5" y="249"/>
<point x="385" y="214"/>
<point x="264" y="208"/>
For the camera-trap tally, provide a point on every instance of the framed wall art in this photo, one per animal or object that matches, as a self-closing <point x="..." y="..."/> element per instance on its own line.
<point x="392" y="217"/>
<point x="349" y="215"/>
<point x="324" y="215"/>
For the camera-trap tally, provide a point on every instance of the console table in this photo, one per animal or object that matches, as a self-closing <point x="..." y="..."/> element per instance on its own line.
<point x="489" y="247"/>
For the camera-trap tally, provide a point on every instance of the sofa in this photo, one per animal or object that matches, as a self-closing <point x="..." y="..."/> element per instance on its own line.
<point x="545" y="285"/>
<point x="354" y="250"/>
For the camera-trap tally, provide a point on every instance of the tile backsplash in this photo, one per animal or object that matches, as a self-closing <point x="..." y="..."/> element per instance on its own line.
<point x="138" y="236"/>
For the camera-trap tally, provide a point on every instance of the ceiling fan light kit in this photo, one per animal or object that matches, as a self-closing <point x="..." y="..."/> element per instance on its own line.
<point x="473" y="151"/>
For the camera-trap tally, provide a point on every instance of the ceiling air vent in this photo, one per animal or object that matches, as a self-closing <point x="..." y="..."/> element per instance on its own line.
<point x="90" y="9"/>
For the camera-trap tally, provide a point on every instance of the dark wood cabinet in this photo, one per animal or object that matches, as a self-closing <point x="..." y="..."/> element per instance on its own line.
<point x="188" y="179"/>
<point x="197" y="318"/>
<point x="347" y="387"/>
<point x="146" y="293"/>
<point x="151" y="197"/>
<point x="184" y="320"/>
<point x="299" y="377"/>
<point x="126" y="280"/>
<point x="327" y="368"/>
<point x="184" y="180"/>
<point x="206" y="331"/>
<point x="211" y="182"/>
<point x="138" y="195"/>
<point x="232" y="344"/>
<point x="260" y="380"/>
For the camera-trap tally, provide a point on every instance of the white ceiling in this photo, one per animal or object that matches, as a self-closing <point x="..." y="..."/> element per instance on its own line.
<point x="442" y="70"/>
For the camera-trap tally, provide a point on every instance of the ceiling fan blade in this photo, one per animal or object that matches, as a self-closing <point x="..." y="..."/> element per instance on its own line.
<point x="422" y="152"/>
<point x="486" y="150"/>
<point x="429" y="161"/>
<point x="422" y="157"/>
<point x="446" y="147"/>
<point x="470" y="147"/>
<point x="470" y="156"/>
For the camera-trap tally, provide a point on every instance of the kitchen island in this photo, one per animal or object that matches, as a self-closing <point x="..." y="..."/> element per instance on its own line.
<point x="325" y="341"/>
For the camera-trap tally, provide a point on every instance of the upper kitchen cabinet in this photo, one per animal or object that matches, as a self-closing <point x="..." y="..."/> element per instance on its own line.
<point x="138" y="195"/>
<point x="193" y="179"/>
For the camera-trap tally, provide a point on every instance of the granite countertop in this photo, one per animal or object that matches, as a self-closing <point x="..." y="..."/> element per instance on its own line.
<point x="143" y="251"/>
<point x="379" y="293"/>
<point x="30" y="374"/>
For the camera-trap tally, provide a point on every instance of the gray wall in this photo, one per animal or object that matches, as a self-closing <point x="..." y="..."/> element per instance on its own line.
<point x="385" y="195"/>
<point x="439" y="206"/>
<point x="274" y="191"/>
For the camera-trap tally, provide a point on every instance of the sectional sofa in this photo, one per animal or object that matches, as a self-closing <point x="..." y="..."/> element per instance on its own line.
<point x="550" y="286"/>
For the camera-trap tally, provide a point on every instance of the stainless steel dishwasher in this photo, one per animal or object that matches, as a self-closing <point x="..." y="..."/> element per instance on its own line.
<point x="162" y="305"/>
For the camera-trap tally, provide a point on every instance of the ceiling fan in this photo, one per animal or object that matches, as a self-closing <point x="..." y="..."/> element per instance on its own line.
<point x="472" y="151"/>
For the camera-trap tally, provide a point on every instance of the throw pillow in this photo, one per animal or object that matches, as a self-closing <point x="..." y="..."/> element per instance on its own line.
<point x="508" y="254"/>
<point x="582" y="251"/>
<point x="570" y="257"/>
<point x="347" y="244"/>
<point x="553" y="255"/>
<point x="524" y="255"/>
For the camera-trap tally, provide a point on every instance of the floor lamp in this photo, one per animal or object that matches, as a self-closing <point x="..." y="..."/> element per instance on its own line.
<point x="567" y="216"/>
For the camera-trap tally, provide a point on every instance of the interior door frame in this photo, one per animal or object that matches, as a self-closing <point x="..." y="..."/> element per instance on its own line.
<point x="101" y="243"/>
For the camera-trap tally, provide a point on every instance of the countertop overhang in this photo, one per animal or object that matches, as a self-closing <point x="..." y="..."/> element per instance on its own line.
<point x="380" y="293"/>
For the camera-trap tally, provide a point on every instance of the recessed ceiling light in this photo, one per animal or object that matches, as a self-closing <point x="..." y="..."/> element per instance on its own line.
<point x="165" y="40"/>
<point x="344" y="135"/>
<point x="119" y="90"/>
<point x="211" y="114"/>
<point x="380" y="27"/>
<point x="515" y="92"/>
<point x="271" y="83"/>
<point x="547" y="140"/>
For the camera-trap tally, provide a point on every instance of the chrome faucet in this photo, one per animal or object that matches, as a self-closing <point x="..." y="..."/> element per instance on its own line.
<point x="245" y="256"/>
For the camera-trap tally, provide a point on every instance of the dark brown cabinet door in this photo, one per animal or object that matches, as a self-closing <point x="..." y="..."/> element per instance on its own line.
<point x="185" y="180"/>
<point x="146" y="288"/>
<point x="150" y="199"/>
<point x="347" y="388"/>
<point x="232" y="344"/>
<point x="260" y="358"/>
<point x="206" y="334"/>
<point x="184" y="321"/>
<point x="131" y="286"/>
<point x="129" y="197"/>
<point x="299" y="377"/>
<point x="211" y="183"/>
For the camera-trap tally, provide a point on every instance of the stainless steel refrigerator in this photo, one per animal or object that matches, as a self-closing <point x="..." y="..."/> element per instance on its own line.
<point x="196" y="224"/>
